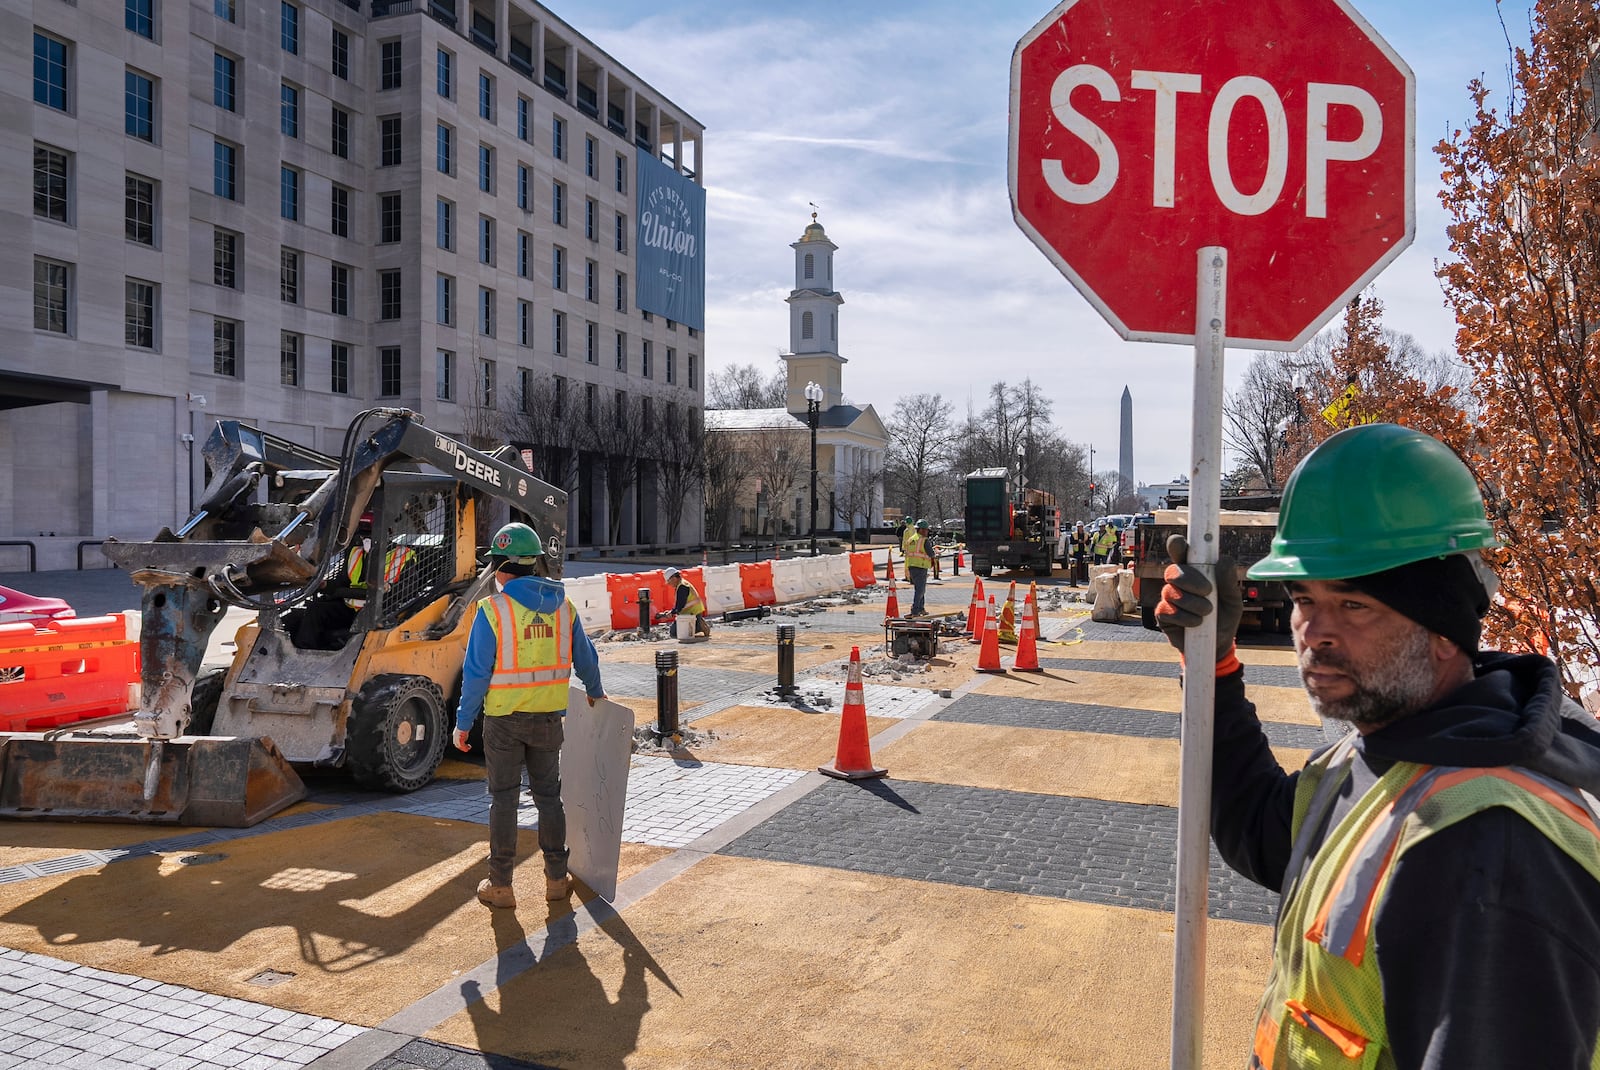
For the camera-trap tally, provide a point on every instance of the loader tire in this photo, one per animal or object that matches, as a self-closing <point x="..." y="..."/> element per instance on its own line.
<point x="397" y="733"/>
<point x="203" y="702"/>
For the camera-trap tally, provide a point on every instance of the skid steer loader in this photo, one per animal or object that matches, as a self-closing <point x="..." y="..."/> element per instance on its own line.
<point x="335" y="671"/>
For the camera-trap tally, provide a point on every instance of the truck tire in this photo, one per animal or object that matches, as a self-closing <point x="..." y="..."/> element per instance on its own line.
<point x="1147" y="617"/>
<point x="396" y="734"/>
<point x="1042" y="567"/>
<point x="203" y="701"/>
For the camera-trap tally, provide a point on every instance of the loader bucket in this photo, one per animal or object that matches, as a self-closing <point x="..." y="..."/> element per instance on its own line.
<point x="194" y="780"/>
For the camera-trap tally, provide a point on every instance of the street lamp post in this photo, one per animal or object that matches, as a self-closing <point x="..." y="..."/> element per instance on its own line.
<point x="813" y="406"/>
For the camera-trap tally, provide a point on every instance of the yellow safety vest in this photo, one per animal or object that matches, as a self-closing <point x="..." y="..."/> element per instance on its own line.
<point x="1107" y="539"/>
<point x="533" y="657"/>
<point x="395" y="562"/>
<point x="1324" y="1001"/>
<point x="693" y="606"/>
<point x="917" y="552"/>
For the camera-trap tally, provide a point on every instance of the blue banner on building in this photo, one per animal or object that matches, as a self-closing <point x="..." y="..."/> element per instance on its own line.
<point x="671" y="240"/>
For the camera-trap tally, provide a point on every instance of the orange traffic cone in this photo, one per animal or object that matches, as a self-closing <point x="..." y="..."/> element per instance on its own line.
<point x="891" y="608"/>
<point x="853" y="758"/>
<point x="1008" y="616"/>
<point x="704" y="560"/>
<point x="1027" y="640"/>
<point x="889" y="570"/>
<point x="976" y="617"/>
<point x="989" y="652"/>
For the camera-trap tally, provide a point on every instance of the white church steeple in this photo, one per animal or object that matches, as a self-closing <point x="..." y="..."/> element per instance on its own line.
<point x="814" y="322"/>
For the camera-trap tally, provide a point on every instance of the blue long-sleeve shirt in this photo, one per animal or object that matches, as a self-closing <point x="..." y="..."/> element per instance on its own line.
<point x="541" y="596"/>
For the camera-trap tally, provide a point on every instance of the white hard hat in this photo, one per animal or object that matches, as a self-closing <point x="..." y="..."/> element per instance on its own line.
<point x="670" y="574"/>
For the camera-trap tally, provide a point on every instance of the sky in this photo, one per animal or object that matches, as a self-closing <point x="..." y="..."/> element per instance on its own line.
<point x="892" y="117"/>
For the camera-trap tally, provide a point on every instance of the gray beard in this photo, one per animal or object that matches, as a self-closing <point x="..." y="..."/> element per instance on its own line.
<point x="1384" y="693"/>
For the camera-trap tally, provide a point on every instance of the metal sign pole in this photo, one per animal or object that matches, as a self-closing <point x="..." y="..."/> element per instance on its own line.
<point x="1199" y="682"/>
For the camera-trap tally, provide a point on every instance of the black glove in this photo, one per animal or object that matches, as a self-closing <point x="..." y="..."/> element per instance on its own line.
<point x="1186" y="598"/>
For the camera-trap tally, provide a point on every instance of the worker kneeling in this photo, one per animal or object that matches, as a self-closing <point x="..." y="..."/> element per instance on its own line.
<point x="687" y="600"/>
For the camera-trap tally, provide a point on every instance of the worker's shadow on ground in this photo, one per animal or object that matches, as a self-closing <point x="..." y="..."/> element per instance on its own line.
<point x="560" y="1013"/>
<point x="210" y="905"/>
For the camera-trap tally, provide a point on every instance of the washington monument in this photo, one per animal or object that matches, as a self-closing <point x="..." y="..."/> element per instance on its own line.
<point x="1125" y="482"/>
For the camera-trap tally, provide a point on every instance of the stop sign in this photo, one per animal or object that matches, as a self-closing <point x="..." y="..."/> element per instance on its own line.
<point x="1144" y="130"/>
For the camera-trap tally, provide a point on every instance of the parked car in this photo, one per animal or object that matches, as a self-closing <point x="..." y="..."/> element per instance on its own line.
<point x="16" y="608"/>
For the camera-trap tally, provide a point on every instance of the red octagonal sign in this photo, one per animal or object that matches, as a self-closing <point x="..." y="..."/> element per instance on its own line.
<point x="1144" y="130"/>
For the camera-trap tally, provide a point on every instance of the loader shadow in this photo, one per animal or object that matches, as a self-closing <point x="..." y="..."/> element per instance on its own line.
<point x="561" y="1014"/>
<point x="170" y="903"/>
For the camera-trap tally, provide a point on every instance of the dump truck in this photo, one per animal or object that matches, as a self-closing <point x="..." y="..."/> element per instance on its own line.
<point x="371" y="690"/>
<point x="1008" y="525"/>
<point x="1244" y="535"/>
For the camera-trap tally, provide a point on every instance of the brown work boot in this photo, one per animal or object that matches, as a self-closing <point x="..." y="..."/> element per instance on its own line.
<point x="496" y="895"/>
<point x="557" y="888"/>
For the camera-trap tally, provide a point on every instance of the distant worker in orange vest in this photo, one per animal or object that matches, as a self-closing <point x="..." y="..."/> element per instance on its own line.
<point x="525" y="643"/>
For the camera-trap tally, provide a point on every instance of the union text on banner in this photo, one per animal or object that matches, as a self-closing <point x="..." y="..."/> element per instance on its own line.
<point x="670" y="238"/>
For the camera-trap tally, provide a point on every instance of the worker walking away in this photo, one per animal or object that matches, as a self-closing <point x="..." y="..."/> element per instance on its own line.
<point x="1078" y="548"/>
<point x="686" y="600"/>
<point x="1440" y="864"/>
<point x="526" y="641"/>
<point x="1105" y="542"/>
<point x="918" y="545"/>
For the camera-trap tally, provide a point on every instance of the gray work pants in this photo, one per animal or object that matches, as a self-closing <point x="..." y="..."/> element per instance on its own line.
<point x="512" y="743"/>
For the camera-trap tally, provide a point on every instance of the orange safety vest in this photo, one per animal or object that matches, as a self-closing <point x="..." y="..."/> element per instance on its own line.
<point x="533" y="657"/>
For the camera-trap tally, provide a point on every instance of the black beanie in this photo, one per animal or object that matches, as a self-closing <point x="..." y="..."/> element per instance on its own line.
<point x="1443" y="594"/>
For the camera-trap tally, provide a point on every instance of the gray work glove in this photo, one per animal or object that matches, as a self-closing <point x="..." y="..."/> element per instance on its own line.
<point x="1186" y="598"/>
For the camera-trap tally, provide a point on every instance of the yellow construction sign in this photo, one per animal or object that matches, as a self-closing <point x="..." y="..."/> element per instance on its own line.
<point x="1340" y="405"/>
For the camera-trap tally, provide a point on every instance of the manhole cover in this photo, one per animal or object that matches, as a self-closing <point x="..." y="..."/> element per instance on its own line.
<point x="200" y="860"/>
<point x="268" y="978"/>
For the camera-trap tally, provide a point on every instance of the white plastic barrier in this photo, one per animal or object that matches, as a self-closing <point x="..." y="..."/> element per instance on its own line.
<point x="834" y="574"/>
<point x="723" y="590"/>
<point x="1125" y="590"/>
<point x="591" y="598"/>
<point x="789" y="580"/>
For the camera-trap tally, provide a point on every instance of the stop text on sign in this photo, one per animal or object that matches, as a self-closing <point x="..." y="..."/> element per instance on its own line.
<point x="1166" y="87"/>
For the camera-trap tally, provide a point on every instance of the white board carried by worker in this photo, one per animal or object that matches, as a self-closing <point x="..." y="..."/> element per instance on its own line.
<point x="594" y="788"/>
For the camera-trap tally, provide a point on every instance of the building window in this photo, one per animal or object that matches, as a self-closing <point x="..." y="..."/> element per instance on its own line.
<point x="224" y="347"/>
<point x="444" y="300"/>
<point x="223" y="9"/>
<point x="49" y="71"/>
<point x="589" y="269"/>
<point x="444" y="224"/>
<point x="339" y="290"/>
<point x="486" y="383"/>
<point x="485" y="240"/>
<point x="524" y="322"/>
<point x="445" y="375"/>
<point x="139" y="209"/>
<point x="225" y="258"/>
<point x="341" y="55"/>
<point x="289" y="359"/>
<point x="341" y="133"/>
<point x="591" y="342"/>
<point x="445" y="152"/>
<point x="139" y="17"/>
<point x="622" y="233"/>
<point x="590" y="392"/>
<point x="558" y="137"/>
<point x="672" y="355"/>
<point x="524" y="187"/>
<point x="558" y="204"/>
<point x="644" y="358"/>
<point x="389" y="295"/>
<point x="289" y="110"/>
<point x="339" y="368"/>
<point x="289" y="276"/>
<point x="806" y="326"/>
<point x="339" y="212"/>
<point x="50" y="184"/>
<point x="524" y="108"/>
<point x="590" y="226"/>
<point x="672" y="324"/>
<point x="833" y="326"/>
<point x="622" y="292"/>
<point x="140" y="117"/>
<point x="693" y="333"/>
<point x="558" y="327"/>
<point x="485" y="97"/>
<point x="289" y="28"/>
<point x="485" y="169"/>
<point x="139" y="316"/>
<point x="224" y="81"/>
<point x="622" y="353"/>
<point x="224" y="170"/>
<point x="388" y="218"/>
<point x="694" y="376"/>
<point x="590" y="148"/>
<point x="486" y="312"/>
<point x="389" y="137"/>
<point x="524" y="253"/>
<point x="811" y="266"/>
<point x="444" y="79"/>
<point x="560" y="404"/>
<point x="525" y="389"/>
<point x="289" y="193"/>
<point x="51" y="287"/>
<point x="558" y="268"/>
<point x="622" y="173"/>
<point x="389" y="372"/>
<point x="389" y="65"/>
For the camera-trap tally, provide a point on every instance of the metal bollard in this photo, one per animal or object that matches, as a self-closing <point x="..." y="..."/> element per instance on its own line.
<point x="644" y="613"/>
<point x="955" y="564"/>
<point x="786" y="686"/>
<point x="666" y="693"/>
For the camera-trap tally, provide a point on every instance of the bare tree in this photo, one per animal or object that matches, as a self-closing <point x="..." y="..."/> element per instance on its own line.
<point x="773" y="457"/>
<point x="1257" y="416"/>
<point x="855" y="494"/>
<point x="721" y="473"/>
<point x="741" y="386"/>
<point x="616" y="437"/>
<point x="921" y="439"/>
<point x="681" y="457"/>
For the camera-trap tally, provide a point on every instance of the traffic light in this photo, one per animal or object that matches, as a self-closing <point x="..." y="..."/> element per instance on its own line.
<point x="1087" y="501"/>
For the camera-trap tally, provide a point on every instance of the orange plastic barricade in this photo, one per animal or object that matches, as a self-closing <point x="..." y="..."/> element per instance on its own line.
<point x="624" y="590"/>
<point x="863" y="573"/>
<point x="695" y="578"/>
<point x="66" y="671"/>
<point x="755" y="579"/>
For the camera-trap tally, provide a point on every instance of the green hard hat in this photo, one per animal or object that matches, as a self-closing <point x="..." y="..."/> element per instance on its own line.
<point x="922" y="524"/>
<point x="1372" y="498"/>
<point x="518" y="543"/>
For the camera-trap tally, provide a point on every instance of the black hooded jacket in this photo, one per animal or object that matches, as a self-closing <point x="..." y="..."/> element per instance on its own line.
<point x="1488" y="936"/>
